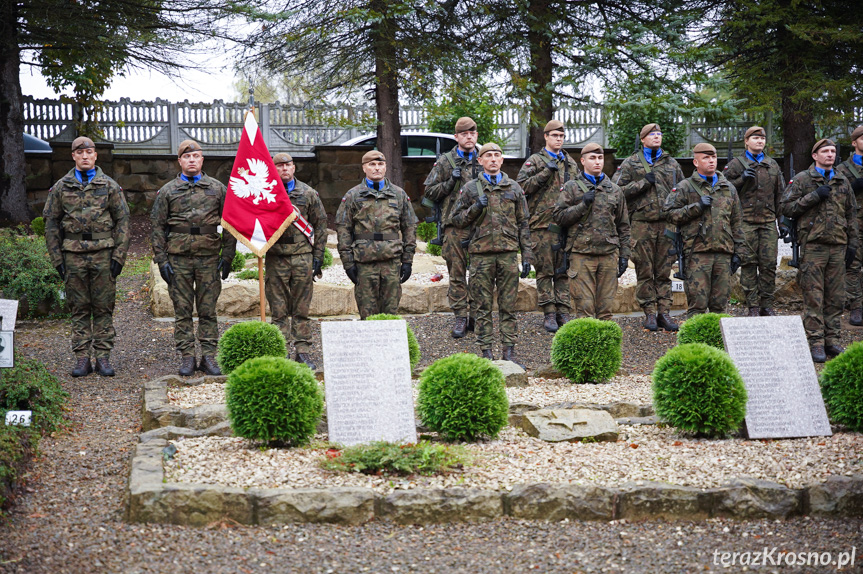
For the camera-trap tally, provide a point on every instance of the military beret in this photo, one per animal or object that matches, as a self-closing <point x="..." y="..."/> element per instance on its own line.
<point x="465" y="124"/>
<point x="754" y="131"/>
<point x="553" y="126"/>
<point x="282" y="158"/>
<point x="826" y="142"/>
<point x="373" y="155"/>
<point x="704" y="148"/>
<point x="592" y="147"/>
<point x="858" y="131"/>
<point x="83" y="142"/>
<point x="187" y="146"/>
<point x="490" y="146"/>
<point x="647" y="129"/>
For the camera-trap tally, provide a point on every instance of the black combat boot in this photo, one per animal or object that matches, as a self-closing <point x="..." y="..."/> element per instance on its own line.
<point x="818" y="354"/>
<point x="209" y="366"/>
<point x="103" y="367"/>
<point x="486" y="354"/>
<point x="856" y="317"/>
<point x="187" y="367"/>
<point x="82" y="367"/>
<point x="562" y="319"/>
<point x="665" y="321"/>
<point x="650" y="322"/>
<point x="550" y="323"/>
<point x="509" y="355"/>
<point x="305" y="358"/>
<point x="768" y="312"/>
<point x="459" y="327"/>
<point x="754" y="312"/>
<point x="471" y="324"/>
<point x="834" y="350"/>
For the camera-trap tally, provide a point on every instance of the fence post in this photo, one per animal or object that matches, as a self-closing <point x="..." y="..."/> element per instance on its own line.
<point x="173" y="127"/>
<point x="264" y="115"/>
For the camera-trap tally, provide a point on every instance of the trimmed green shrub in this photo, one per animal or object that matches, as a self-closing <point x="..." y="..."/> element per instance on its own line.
<point x="239" y="262"/>
<point x="413" y="345"/>
<point x="38" y="226"/>
<point x="328" y="259"/>
<point x="703" y="328"/>
<point x="426" y="231"/>
<point x="842" y="387"/>
<point x="587" y="350"/>
<point x="697" y="388"/>
<point x="26" y="272"/>
<point x="463" y="397"/>
<point x="248" y="256"/>
<point x="248" y="340"/>
<point x="274" y="400"/>
<point x="247" y="274"/>
<point x="433" y="249"/>
<point x="29" y="386"/>
<point x="382" y="457"/>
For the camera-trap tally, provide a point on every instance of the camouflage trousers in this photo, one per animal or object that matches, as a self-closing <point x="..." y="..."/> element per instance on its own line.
<point x="91" y="293"/>
<point x="456" y="264"/>
<point x="822" y="279"/>
<point x="652" y="265"/>
<point x="490" y="272"/>
<point x="552" y="288"/>
<point x="196" y="285"/>
<point x="593" y="282"/>
<point x="378" y="289"/>
<point x="854" y="281"/>
<point x="758" y="273"/>
<point x="708" y="282"/>
<point x="288" y="285"/>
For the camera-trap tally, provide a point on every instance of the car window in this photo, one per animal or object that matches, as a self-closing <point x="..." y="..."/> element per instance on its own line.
<point x="422" y="146"/>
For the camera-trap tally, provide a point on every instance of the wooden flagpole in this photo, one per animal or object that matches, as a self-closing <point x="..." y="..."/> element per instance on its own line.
<point x="261" y="285"/>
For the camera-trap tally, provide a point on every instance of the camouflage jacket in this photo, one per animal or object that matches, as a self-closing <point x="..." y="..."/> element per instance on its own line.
<point x="832" y="221"/>
<point x="439" y="186"/>
<point x="718" y="228"/>
<point x="542" y="186"/>
<point x="598" y="228"/>
<point x="376" y="225"/>
<point x="98" y="207"/>
<point x="307" y="201"/>
<point x="504" y="224"/>
<point x="645" y="201"/>
<point x="185" y="204"/>
<point x="760" y="198"/>
<point x="852" y="171"/>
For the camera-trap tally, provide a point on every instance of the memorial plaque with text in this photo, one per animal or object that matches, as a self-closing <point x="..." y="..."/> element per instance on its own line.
<point x="773" y="358"/>
<point x="367" y="376"/>
<point x="8" y="313"/>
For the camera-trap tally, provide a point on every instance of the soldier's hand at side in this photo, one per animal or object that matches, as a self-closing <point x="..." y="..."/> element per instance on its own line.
<point x="167" y="273"/>
<point x="784" y="230"/>
<point x="61" y="270"/>
<point x="225" y="268"/>
<point x="622" y="264"/>
<point x="706" y="201"/>
<point x="749" y="173"/>
<point x="116" y="269"/>
<point x="317" y="266"/>
<point x="456" y="174"/>
<point x="551" y="166"/>
<point x="850" y="252"/>
<point x="651" y="177"/>
<point x="857" y="185"/>
<point x="525" y="270"/>
<point x="823" y="192"/>
<point x="589" y="196"/>
<point x="405" y="272"/>
<point x="735" y="263"/>
<point x="353" y="274"/>
<point x="482" y="200"/>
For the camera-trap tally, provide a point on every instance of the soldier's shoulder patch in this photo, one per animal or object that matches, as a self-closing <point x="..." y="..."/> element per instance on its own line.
<point x="528" y="164"/>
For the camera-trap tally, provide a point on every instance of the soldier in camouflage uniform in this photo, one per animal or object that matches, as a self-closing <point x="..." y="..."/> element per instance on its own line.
<point x="647" y="177"/>
<point x="821" y="201"/>
<point x="759" y="184"/>
<point x="377" y="231"/>
<point x="292" y="263"/>
<point x="542" y="177"/>
<point x="186" y="246"/>
<point x="452" y="170"/>
<point x="593" y="210"/>
<point x="852" y="169"/>
<point x="493" y="207"/>
<point x="707" y="209"/>
<point x="87" y="234"/>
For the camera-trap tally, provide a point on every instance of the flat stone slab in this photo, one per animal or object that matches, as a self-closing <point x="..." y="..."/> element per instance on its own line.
<point x="570" y="425"/>
<point x="514" y="376"/>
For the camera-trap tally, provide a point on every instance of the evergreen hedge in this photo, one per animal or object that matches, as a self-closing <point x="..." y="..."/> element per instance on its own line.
<point x="587" y="350"/>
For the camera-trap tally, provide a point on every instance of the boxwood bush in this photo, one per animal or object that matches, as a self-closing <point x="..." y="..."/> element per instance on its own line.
<point x="697" y="388"/>
<point x="37" y="226"/>
<point x="703" y="328"/>
<point x="587" y="350"/>
<point x="26" y="272"/>
<point x="413" y="345"/>
<point x="328" y="259"/>
<point x="463" y="397"/>
<point x="842" y="387"/>
<point x="238" y="263"/>
<point x="274" y="400"/>
<point x="247" y="340"/>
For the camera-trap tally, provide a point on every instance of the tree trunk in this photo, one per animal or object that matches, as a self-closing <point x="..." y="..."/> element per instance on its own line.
<point x="387" y="94"/>
<point x="541" y="75"/>
<point x="798" y="133"/>
<point x="13" y="192"/>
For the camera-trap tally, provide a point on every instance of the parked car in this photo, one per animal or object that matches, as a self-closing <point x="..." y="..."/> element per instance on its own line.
<point x="35" y="145"/>
<point x="414" y="144"/>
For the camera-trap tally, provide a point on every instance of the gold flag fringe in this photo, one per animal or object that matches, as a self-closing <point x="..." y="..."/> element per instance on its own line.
<point x="273" y="239"/>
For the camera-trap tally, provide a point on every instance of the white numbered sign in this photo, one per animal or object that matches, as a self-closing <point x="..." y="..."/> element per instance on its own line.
<point x="18" y="418"/>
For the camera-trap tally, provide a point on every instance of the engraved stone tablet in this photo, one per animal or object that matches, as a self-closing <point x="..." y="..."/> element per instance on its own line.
<point x="773" y="358"/>
<point x="7" y="349"/>
<point x="8" y="313"/>
<point x="367" y="377"/>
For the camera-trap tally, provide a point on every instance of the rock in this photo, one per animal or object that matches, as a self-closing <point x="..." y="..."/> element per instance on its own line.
<point x="345" y="505"/>
<point x="749" y="498"/>
<point x="548" y="371"/>
<point x="570" y="425"/>
<point x="542" y="501"/>
<point x="635" y="421"/>
<point x="438" y="301"/>
<point x="423" y="265"/>
<point x="205" y="416"/>
<point x="837" y="496"/>
<point x="414" y="300"/>
<point x="622" y="410"/>
<point x="527" y="297"/>
<point x="657" y="500"/>
<point x="240" y="299"/>
<point x="516" y="413"/>
<point x="425" y="506"/>
<point x="189" y="504"/>
<point x="329" y="299"/>
<point x="624" y="300"/>
<point x="514" y="375"/>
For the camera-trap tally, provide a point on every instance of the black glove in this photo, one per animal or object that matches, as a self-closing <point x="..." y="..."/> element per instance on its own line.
<point x="589" y="196"/>
<point x="749" y="173"/>
<point x="651" y="177"/>
<point x="622" y="264"/>
<point x="525" y="270"/>
<point x="61" y="269"/>
<point x="482" y="200"/>
<point x="167" y="272"/>
<point x="850" y="252"/>
<point x="317" y="264"/>
<point x="735" y="263"/>
<point x="784" y="230"/>
<point x="552" y="165"/>
<point x="706" y="201"/>
<point x="823" y="192"/>
<point x="857" y="185"/>
<point x="405" y="272"/>
<point x="225" y="268"/>
<point x="353" y="274"/>
<point x="116" y="269"/>
<point x="456" y="174"/>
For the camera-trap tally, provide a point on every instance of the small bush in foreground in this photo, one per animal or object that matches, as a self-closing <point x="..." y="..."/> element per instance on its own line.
<point x="399" y="459"/>
<point x="413" y="345"/>
<point x="247" y="274"/>
<point x="703" y="328"/>
<point x="38" y="226"/>
<point x="26" y="271"/>
<point x="697" y="388"/>
<point x="29" y="386"/>
<point x="328" y="259"/>
<point x="239" y="262"/>
<point x="587" y="350"/>
<point x="842" y="387"/>
<point x="247" y="340"/>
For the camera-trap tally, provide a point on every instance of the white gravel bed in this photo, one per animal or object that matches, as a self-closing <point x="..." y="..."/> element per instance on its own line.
<point x="644" y="453"/>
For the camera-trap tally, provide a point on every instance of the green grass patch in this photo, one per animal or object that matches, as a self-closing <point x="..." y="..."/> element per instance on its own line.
<point x="137" y="266"/>
<point x="247" y="274"/>
<point x="381" y="457"/>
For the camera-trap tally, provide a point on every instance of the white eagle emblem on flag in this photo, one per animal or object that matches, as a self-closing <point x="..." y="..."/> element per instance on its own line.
<point x="254" y="182"/>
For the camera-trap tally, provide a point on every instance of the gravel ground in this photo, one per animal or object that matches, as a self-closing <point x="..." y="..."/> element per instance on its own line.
<point x="69" y="515"/>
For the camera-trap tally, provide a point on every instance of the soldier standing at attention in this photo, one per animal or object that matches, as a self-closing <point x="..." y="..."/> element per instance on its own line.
<point x="293" y="262"/>
<point x="494" y="208"/>
<point x="377" y="231"/>
<point x="593" y="209"/>
<point x="186" y="246"/>
<point x="821" y="201"/>
<point x="647" y="178"/>
<point x="707" y="209"/>
<point x="87" y="234"/>
<point x="852" y="169"/>
<point x="542" y="177"/>
<point x="759" y="184"/>
<point x="452" y="170"/>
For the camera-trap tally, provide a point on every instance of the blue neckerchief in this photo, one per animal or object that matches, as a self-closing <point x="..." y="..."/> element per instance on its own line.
<point x="371" y="184"/>
<point x="651" y="155"/>
<point x="827" y="174"/>
<point x="469" y="157"/>
<point x="194" y="179"/>
<point x="594" y="180"/>
<point x="858" y="159"/>
<point x="289" y="187"/>
<point x="91" y="173"/>
<point x="715" y="179"/>
<point x="756" y="158"/>
<point x="559" y="156"/>
<point x="498" y="177"/>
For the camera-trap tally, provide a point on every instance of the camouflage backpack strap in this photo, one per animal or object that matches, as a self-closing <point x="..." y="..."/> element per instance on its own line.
<point x="565" y="167"/>
<point x="449" y="157"/>
<point x="852" y="167"/>
<point x="647" y="166"/>
<point x="583" y="187"/>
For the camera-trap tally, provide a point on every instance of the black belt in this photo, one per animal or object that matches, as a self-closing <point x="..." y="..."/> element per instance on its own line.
<point x="89" y="236"/>
<point x="377" y="236"/>
<point x="201" y="230"/>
